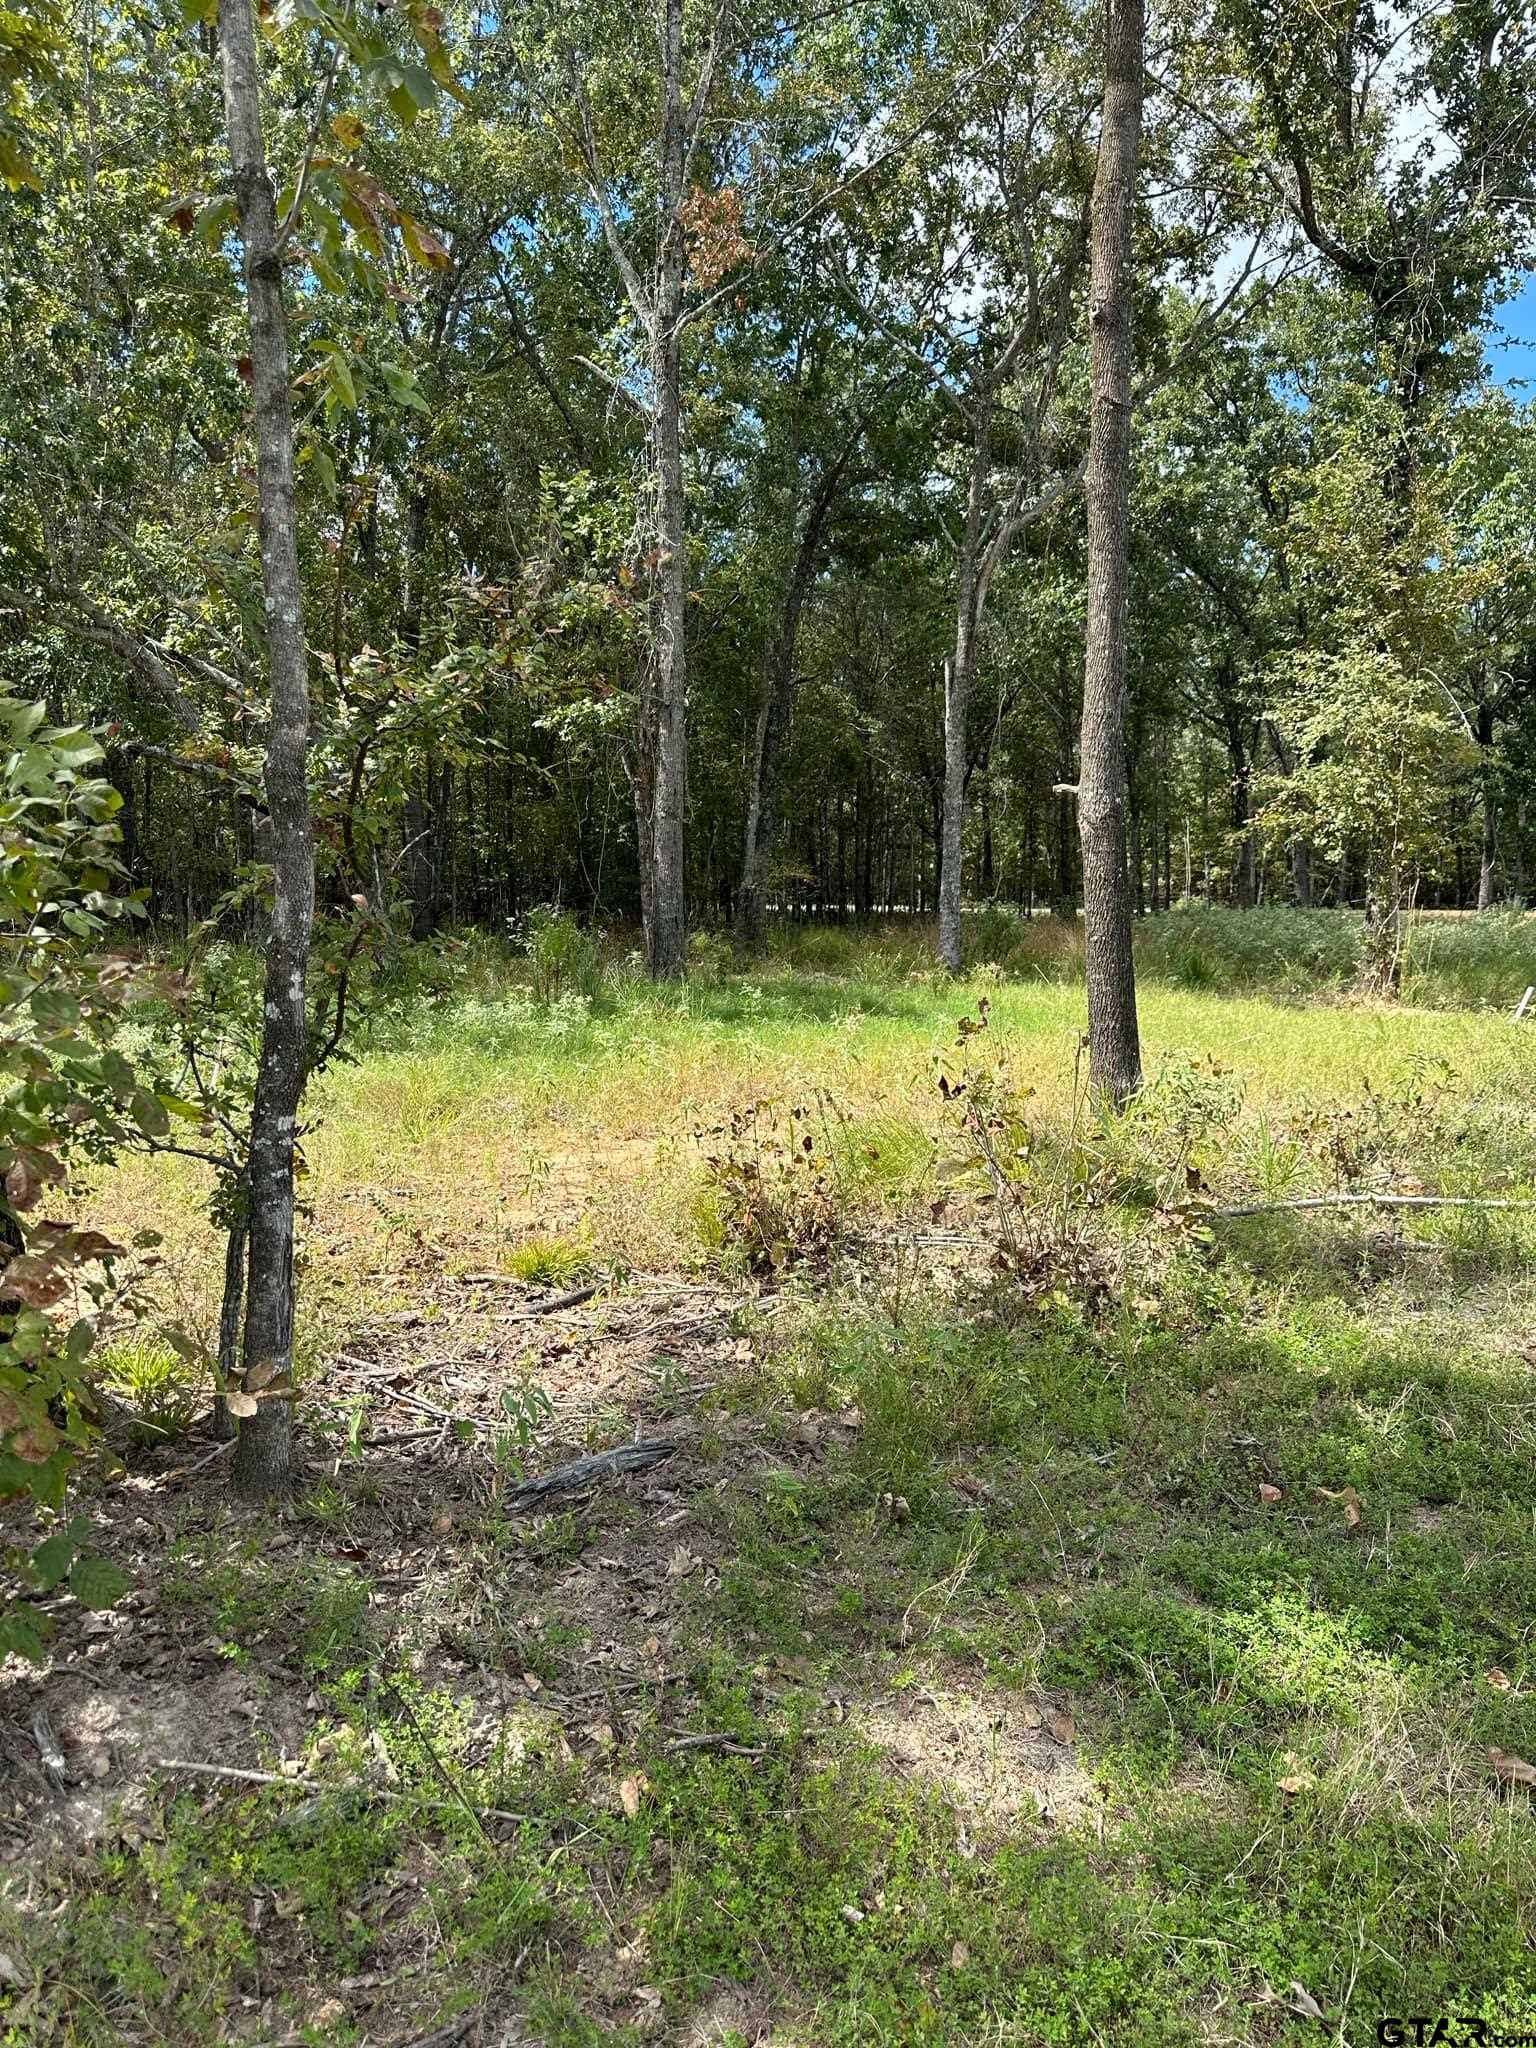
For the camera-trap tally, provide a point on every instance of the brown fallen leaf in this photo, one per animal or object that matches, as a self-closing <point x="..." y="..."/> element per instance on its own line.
<point x="1270" y="1494"/>
<point x="1350" y="1499"/>
<point x="1512" y="1770"/>
<point x="631" y="1791"/>
<point x="532" y="1681"/>
<point x="1499" y="1680"/>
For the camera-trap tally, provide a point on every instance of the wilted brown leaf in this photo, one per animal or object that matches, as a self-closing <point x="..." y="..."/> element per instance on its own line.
<point x="631" y="1791"/>
<point x="1351" y="1503"/>
<point x="37" y="1281"/>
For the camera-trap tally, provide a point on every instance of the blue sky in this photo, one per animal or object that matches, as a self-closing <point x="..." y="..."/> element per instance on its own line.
<point x="1512" y="346"/>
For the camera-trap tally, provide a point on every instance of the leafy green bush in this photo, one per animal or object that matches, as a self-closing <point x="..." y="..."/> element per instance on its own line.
<point x="67" y="1091"/>
<point x="565" y="960"/>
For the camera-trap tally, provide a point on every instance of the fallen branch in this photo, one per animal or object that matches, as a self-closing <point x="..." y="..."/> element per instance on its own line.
<point x="725" y="1742"/>
<point x="635" y="1457"/>
<point x="243" y="1777"/>
<point x="1369" y="1201"/>
<point x="574" y="1299"/>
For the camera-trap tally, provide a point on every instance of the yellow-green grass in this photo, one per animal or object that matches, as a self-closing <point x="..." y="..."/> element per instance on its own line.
<point x="489" y="1122"/>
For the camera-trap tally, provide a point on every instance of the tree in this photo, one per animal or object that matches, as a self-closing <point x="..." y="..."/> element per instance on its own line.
<point x="263" y="1400"/>
<point x="1113" y="1033"/>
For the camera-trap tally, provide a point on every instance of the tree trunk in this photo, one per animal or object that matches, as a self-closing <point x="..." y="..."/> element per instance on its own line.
<point x="1113" y="1037"/>
<point x="1487" y="873"/>
<point x="773" y="724"/>
<point x="263" y="1454"/>
<point x="666" y="711"/>
<point x="958" y="671"/>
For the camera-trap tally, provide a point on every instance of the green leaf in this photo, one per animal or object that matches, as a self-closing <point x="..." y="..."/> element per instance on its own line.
<point x="148" y="1113"/>
<point x="97" y="1584"/>
<point x="19" y="1637"/>
<point x="51" y="1560"/>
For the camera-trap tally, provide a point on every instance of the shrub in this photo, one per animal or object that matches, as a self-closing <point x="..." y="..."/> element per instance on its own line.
<point x="564" y="959"/>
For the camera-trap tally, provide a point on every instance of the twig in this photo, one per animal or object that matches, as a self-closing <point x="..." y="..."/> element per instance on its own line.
<point x="186" y="1471"/>
<point x="1371" y="1201"/>
<point x="726" y="1742"/>
<point x="461" y="1798"/>
<point x="173" y="1763"/>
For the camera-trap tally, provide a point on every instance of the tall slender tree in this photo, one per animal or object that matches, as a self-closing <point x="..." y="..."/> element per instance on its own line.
<point x="1113" y="1033"/>
<point x="263" y="1400"/>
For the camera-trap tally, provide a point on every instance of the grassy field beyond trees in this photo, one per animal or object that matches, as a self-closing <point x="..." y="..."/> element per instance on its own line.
<point x="1069" y="1614"/>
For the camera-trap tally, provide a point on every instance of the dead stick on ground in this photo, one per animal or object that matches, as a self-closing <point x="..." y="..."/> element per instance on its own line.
<point x="436" y="1761"/>
<point x="727" y="1742"/>
<point x="176" y="1763"/>
<point x="1367" y="1201"/>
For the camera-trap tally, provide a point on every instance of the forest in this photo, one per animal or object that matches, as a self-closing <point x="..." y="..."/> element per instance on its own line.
<point x="767" y="1023"/>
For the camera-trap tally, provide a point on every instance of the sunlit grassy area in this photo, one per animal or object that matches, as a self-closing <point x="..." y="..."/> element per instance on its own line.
<point x="489" y="1115"/>
<point x="1129" y="1645"/>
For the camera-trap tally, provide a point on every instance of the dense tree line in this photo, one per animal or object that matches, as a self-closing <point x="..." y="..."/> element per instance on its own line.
<point x="711" y="461"/>
<point x="687" y="422"/>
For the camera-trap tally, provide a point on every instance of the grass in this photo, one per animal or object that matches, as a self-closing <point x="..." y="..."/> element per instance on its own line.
<point x="996" y="1666"/>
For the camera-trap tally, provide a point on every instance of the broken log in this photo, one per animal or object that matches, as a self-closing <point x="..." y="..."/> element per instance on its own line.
<point x="583" y="1472"/>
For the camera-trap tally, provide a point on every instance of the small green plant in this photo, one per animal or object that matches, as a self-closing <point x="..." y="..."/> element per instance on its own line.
<point x="165" y="1389"/>
<point x="548" y="1261"/>
<point x="564" y="959"/>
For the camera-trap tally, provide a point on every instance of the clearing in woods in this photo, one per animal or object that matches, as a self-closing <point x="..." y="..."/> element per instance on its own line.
<point x="1065" y="1614"/>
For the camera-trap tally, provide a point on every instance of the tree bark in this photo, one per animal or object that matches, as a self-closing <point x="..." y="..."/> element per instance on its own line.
<point x="1113" y="1035"/>
<point x="1488" y="865"/>
<point x="664" y="707"/>
<point x="958" y="672"/>
<point x="263" y="1454"/>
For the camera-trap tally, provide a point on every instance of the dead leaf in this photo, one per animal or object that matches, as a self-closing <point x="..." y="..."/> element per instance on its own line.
<point x="532" y="1681"/>
<point x="1270" y="1494"/>
<point x="1499" y="1680"/>
<point x="1512" y="1770"/>
<point x="1351" y="1501"/>
<point x="631" y="1791"/>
